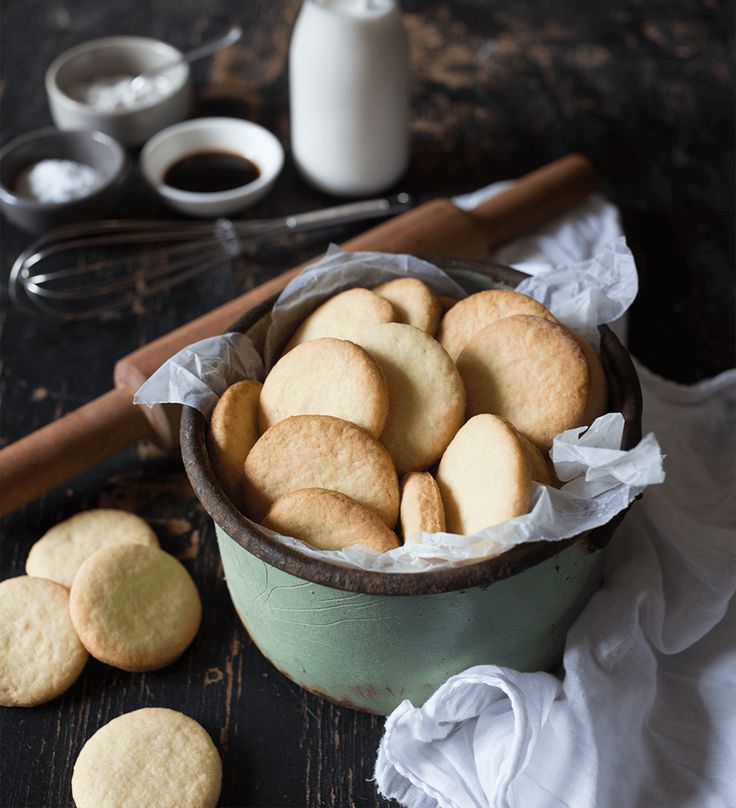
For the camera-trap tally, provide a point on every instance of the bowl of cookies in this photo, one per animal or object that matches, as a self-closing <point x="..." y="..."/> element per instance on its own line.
<point x="388" y="416"/>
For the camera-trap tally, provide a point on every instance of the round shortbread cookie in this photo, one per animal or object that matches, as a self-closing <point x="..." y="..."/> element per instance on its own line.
<point x="232" y="433"/>
<point x="482" y="309"/>
<point x="413" y="302"/>
<point x="319" y="451"/>
<point x="326" y="377"/>
<point x="40" y="653"/>
<point x="421" y="509"/>
<point x="135" y="607"/>
<point x="62" y="550"/>
<point x="484" y="475"/>
<point x="598" y="398"/>
<point x="329" y="520"/>
<point x="530" y="371"/>
<point x="540" y="470"/>
<point x="343" y="316"/>
<point x="426" y="393"/>
<point x="150" y="757"/>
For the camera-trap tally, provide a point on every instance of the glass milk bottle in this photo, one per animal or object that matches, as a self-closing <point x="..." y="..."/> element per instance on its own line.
<point x="349" y="95"/>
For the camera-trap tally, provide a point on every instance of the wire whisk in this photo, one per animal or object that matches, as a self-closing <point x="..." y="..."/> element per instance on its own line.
<point x="69" y="274"/>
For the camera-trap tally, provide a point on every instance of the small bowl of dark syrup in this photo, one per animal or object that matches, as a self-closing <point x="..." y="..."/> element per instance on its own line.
<point x="212" y="166"/>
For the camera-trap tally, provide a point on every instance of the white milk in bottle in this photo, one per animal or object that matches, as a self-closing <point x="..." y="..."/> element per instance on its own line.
<point x="349" y="95"/>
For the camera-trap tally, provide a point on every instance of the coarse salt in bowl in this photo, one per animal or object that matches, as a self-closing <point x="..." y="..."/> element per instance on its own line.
<point x="50" y="178"/>
<point x="53" y="180"/>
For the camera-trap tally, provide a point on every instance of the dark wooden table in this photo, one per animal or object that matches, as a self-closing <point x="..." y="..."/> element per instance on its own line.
<point x="645" y="89"/>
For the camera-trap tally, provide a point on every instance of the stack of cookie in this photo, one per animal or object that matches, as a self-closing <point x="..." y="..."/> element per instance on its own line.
<point x="97" y="584"/>
<point x="382" y="409"/>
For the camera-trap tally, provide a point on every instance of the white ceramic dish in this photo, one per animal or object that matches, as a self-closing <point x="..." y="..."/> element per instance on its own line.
<point x="212" y="134"/>
<point x="115" y="55"/>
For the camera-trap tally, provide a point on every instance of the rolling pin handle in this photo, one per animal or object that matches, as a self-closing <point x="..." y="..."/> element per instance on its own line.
<point x="69" y="446"/>
<point x="535" y="199"/>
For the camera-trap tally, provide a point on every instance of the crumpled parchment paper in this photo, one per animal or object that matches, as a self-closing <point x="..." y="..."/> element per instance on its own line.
<point x="599" y="478"/>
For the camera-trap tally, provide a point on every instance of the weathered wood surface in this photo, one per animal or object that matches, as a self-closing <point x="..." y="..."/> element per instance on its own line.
<point x="644" y="89"/>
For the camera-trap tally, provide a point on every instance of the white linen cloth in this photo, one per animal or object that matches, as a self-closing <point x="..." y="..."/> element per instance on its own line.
<point x="646" y="713"/>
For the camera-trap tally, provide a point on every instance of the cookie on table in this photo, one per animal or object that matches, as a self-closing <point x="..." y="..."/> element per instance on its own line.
<point x="530" y="371"/>
<point x="484" y="476"/>
<point x="232" y="433"/>
<point x="343" y="316"/>
<point x="134" y="607"/>
<point x="149" y="757"/>
<point x="421" y="509"/>
<point x="326" y="377"/>
<point x="470" y="315"/>
<point x="426" y="393"/>
<point x="40" y="653"/>
<point x="598" y="398"/>
<point x="60" y="552"/>
<point x="319" y="451"/>
<point x="329" y="520"/>
<point x="413" y="302"/>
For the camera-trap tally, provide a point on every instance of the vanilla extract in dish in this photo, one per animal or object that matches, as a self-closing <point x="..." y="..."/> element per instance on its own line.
<point x="211" y="172"/>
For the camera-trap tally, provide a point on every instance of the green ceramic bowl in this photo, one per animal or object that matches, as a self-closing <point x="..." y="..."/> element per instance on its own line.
<point x="368" y="640"/>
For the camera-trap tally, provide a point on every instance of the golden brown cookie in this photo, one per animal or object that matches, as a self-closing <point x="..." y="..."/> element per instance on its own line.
<point x="134" y="607"/>
<point x="326" y="377"/>
<point x="40" y="653"/>
<point x="530" y="371"/>
<point x="540" y="469"/>
<point x="319" y="451"/>
<point x="232" y="433"/>
<point x="60" y="552"/>
<point x="413" y="302"/>
<point x="484" y="475"/>
<point x="329" y="520"/>
<point x="482" y="309"/>
<point x="343" y="316"/>
<point x="426" y="394"/>
<point x="598" y="398"/>
<point x="421" y="509"/>
<point x="150" y="757"/>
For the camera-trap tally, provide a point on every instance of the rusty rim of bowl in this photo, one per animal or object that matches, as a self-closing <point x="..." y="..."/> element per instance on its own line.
<point x="624" y="396"/>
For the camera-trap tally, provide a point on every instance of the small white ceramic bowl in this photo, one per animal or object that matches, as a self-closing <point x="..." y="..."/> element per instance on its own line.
<point x="212" y="134"/>
<point x="116" y="55"/>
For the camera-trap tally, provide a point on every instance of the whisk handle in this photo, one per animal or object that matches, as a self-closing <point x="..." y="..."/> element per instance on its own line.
<point x="69" y="446"/>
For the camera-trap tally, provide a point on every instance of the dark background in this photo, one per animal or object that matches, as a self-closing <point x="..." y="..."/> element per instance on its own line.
<point x="644" y="88"/>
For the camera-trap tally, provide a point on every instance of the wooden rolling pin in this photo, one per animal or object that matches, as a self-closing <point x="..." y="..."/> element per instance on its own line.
<point x="85" y="437"/>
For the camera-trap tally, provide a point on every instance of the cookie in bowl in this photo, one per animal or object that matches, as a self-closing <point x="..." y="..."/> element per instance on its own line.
<point x="426" y="393"/>
<point x="529" y="370"/>
<point x="343" y="316"/>
<point x="326" y="377"/>
<point x="319" y="451"/>
<point x="328" y="520"/>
